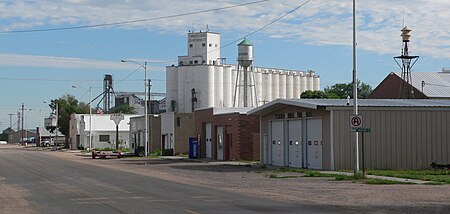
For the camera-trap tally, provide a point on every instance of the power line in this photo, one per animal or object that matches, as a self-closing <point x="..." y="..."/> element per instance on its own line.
<point x="132" y="21"/>
<point x="65" y="80"/>
<point x="261" y="28"/>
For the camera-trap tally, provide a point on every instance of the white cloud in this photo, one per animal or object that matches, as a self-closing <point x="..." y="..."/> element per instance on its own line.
<point x="70" y="63"/>
<point x="320" y="22"/>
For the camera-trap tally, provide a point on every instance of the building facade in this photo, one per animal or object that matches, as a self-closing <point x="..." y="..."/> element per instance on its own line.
<point x="405" y="134"/>
<point x="227" y="134"/>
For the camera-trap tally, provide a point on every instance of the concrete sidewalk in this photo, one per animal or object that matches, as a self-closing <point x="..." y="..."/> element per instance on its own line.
<point x="405" y="180"/>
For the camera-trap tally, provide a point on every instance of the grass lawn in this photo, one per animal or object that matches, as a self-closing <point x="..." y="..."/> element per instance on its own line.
<point x="440" y="176"/>
<point x="314" y="173"/>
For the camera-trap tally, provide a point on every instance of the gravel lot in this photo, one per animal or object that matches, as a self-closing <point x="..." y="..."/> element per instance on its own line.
<point x="305" y="190"/>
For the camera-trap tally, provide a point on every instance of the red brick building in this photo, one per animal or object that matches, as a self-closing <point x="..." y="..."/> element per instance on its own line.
<point x="227" y="133"/>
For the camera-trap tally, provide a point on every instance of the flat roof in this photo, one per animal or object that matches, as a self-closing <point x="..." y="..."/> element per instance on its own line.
<point x="324" y="103"/>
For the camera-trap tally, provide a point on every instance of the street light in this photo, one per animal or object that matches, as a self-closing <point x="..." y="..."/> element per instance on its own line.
<point x="144" y="66"/>
<point x="90" y="112"/>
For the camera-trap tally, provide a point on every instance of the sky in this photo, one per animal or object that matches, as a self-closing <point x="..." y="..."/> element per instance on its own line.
<point x="38" y="66"/>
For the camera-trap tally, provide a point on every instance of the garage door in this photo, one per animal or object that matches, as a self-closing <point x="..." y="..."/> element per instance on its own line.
<point x="208" y="140"/>
<point x="277" y="143"/>
<point x="295" y="145"/>
<point x="314" y="143"/>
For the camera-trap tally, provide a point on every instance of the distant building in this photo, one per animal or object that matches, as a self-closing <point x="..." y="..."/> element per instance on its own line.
<point x="130" y="99"/>
<point x="203" y="79"/>
<point x="425" y="85"/>
<point x="103" y="131"/>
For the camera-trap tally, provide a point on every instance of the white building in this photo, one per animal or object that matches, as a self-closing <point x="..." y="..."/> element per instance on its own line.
<point x="103" y="131"/>
<point x="201" y="80"/>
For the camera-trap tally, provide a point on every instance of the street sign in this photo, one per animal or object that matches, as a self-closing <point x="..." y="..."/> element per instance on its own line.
<point x="356" y="121"/>
<point x="116" y="118"/>
<point x="363" y="130"/>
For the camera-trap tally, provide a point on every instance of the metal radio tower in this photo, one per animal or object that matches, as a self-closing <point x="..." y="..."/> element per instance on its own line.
<point x="406" y="62"/>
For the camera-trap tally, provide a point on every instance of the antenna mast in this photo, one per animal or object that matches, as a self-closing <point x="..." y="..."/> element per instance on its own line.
<point x="406" y="62"/>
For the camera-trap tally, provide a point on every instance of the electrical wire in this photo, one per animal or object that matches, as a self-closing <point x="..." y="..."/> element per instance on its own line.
<point x="132" y="21"/>
<point x="261" y="28"/>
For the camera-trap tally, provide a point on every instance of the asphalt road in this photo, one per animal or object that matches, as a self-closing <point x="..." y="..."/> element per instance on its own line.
<point x="35" y="182"/>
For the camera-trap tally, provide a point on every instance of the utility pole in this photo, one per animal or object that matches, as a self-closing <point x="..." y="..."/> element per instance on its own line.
<point x="23" y="133"/>
<point x="10" y="127"/>
<point x="355" y="91"/>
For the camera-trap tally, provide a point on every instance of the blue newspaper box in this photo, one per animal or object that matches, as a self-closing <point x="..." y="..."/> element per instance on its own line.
<point x="193" y="148"/>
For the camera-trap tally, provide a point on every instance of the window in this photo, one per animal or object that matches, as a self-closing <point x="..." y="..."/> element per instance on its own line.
<point x="190" y="62"/>
<point x="216" y="45"/>
<point x="203" y="61"/>
<point x="103" y="138"/>
<point x="203" y="44"/>
<point x="191" y="45"/>
<point x="178" y="121"/>
<point x="210" y="44"/>
<point x="195" y="61"/>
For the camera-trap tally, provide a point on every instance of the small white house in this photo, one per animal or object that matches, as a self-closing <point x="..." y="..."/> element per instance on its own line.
<point x="103" y="131"/>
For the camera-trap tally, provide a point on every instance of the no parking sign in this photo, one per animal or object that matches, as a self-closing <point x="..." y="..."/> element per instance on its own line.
<point x="356" y="121"/>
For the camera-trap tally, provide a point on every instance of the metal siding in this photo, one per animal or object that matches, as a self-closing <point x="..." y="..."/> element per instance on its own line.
<point x="414" y="142"/>
<point x="419" y="161"/>
<point x="408" y="142"/>
<point x="398" y="138"/>
<point x="439" y="136"/>
<point x="447" y="143"/>
<point x="434" y="136"/>
<point x="429" y="137"/>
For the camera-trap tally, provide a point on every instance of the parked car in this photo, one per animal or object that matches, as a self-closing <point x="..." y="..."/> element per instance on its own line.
<point x="3" y="142"/>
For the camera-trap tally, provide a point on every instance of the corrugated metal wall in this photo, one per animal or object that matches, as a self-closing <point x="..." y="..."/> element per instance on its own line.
<point x="399" y="138"/>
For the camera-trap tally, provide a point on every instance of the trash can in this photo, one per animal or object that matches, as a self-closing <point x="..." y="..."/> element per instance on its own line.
<point x="193" y="148"/>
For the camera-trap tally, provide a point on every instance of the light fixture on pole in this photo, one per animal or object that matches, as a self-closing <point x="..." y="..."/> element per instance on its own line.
<point x="144" y="66"/>
<point x="90" y="113"/>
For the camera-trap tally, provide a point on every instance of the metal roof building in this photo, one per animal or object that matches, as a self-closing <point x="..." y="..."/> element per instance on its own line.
<point x="426" y="85"/>
<point x="315" y="133"/>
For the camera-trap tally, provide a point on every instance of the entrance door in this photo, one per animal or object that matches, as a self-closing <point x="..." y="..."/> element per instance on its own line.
<point x="295" y="143"/>
<point x="277" y="143"/>
<point x="208" y="140"/>
<point x="220" y="143"/>
<point x="314" y="143"/>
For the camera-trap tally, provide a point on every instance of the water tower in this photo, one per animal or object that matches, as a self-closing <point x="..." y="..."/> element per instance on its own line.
<point x="244" y="92"/>
<point x="406" y="62"/>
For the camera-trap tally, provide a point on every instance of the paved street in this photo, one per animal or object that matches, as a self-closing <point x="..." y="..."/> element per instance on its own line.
<point x="35" y="182"/>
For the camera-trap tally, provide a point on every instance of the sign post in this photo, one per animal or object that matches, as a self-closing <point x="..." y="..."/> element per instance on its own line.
<point x="117" y="118"/>
<point x="362" y="130"/>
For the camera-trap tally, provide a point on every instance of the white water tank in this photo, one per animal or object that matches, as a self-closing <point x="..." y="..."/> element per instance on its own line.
<point x="303" y="83"/>
<point x="227" y="87"/>
<point x="282" y="84"/>
<point x="275" y="85"/>
<point x="245" y="53"/>
<point x="296" y="85"/>
<point x="316" y="86"/>
<point x="218" y="86"/>
<point x="290" y="85"/>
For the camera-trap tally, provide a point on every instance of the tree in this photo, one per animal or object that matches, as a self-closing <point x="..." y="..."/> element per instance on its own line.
<point x="67" y="105"/>
<point x="342" y="90"/>
<point x="317" y="95"/>
<point x="123" y="109"/>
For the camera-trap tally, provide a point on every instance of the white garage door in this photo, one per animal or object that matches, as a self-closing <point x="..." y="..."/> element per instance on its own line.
<point x="277" y="143"/>
<point x="314" y="143"/>
<point x="295" y="145"/>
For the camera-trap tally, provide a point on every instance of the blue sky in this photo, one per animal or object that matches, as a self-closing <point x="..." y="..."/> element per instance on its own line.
<point x="40" y="66"/>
